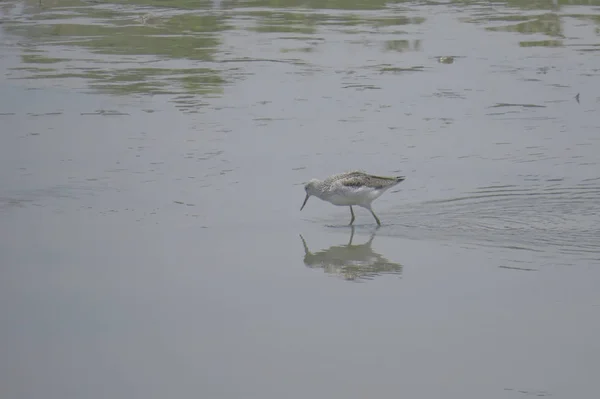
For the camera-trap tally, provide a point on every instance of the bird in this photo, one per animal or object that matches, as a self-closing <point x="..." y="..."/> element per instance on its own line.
<point x="351" y="188"/>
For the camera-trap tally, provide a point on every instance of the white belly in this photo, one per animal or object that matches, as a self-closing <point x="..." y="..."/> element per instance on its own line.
<point x="360" y="197"/>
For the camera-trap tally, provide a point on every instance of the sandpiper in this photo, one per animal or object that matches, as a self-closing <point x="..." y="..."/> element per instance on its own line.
<point x="351" y="188"/>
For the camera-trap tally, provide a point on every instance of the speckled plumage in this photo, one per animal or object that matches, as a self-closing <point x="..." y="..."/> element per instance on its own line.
<point x="351" y="188"/>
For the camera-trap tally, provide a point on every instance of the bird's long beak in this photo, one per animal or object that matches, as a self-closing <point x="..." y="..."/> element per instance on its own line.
<point x="305" y="199"/>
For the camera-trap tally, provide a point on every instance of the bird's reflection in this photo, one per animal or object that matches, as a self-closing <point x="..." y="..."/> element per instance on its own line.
<point x="351" y="262"/>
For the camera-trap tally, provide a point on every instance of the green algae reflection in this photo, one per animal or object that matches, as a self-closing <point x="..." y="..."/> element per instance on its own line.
<point x="277" y="21"/>
<point x="127" y="47"/>
<point x="548" y="24"/>
<point x="176" y="46"/>
<point x="113" y="50"/>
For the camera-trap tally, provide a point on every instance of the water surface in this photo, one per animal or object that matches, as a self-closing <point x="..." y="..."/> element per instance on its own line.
<point x="152" y="155"/>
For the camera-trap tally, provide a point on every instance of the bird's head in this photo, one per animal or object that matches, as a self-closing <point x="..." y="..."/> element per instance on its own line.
<point x="311" y="189"/>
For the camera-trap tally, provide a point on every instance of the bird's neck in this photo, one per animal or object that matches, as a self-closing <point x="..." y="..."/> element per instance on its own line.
<point x="320" y="190"/>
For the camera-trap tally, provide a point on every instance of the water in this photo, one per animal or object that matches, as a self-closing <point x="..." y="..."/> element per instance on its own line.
<point x="152" y="156"/>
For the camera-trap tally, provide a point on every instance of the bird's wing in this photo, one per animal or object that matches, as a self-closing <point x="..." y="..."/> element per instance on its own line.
<point x="377" y="182"/>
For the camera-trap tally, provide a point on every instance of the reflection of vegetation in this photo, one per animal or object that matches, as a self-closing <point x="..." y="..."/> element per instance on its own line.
<point x="33" y="69"/>
<point x="194" y="48"/>
<point x="133" y="88"/>
<point x="275" y="20"/>
<point x="397" y="45"/>
<point x="286" y="22"/>
<point x="298" y="22"/>
<point x="351" y="262"/>
<point x="65" y="13"/>
<point x="127" y="30"/>
<point x="506" y="18"/>
<point x="313" y="4"/>
<point x="499" y="105"/>
<point x="542" y="43"/>
<point x="196" y="23"/>
<point x="392" y="69"/>
<point x="40" y="59"/>
<point x="383" y="4"/>
<point x="48" y="4"/>
<point x="548" y="24"/>
<point x="587" y="17"/>
<point x="532" y="4"/>
<point x="200" y="83"/>
<point x="545" y="4"/>
<point x="168" y="39"/>
<point x="376" y="22"/>
<point x="140" y="80"/>
<point x="403" y="45"/>
<point x="181" y="4"/>
<point x="298" y="50"/>
<point x="186" y="34"/>
<point x="117" y="33"/>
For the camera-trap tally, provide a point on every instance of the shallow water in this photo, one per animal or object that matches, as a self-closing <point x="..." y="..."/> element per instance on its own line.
<point x="152" y="156"/>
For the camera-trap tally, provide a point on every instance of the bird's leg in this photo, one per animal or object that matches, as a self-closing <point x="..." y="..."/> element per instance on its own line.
<point x="351" y="236"/>
<point x="352" y="213"/>
<point x="375" y="216"/>
<point x="368" y="243"/>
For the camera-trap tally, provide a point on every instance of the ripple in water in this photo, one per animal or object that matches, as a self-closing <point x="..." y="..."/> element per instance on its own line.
<point x="549" y="219"/>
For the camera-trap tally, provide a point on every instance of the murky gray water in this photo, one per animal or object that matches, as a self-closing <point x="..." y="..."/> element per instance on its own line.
<point x="151" y="161"/>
